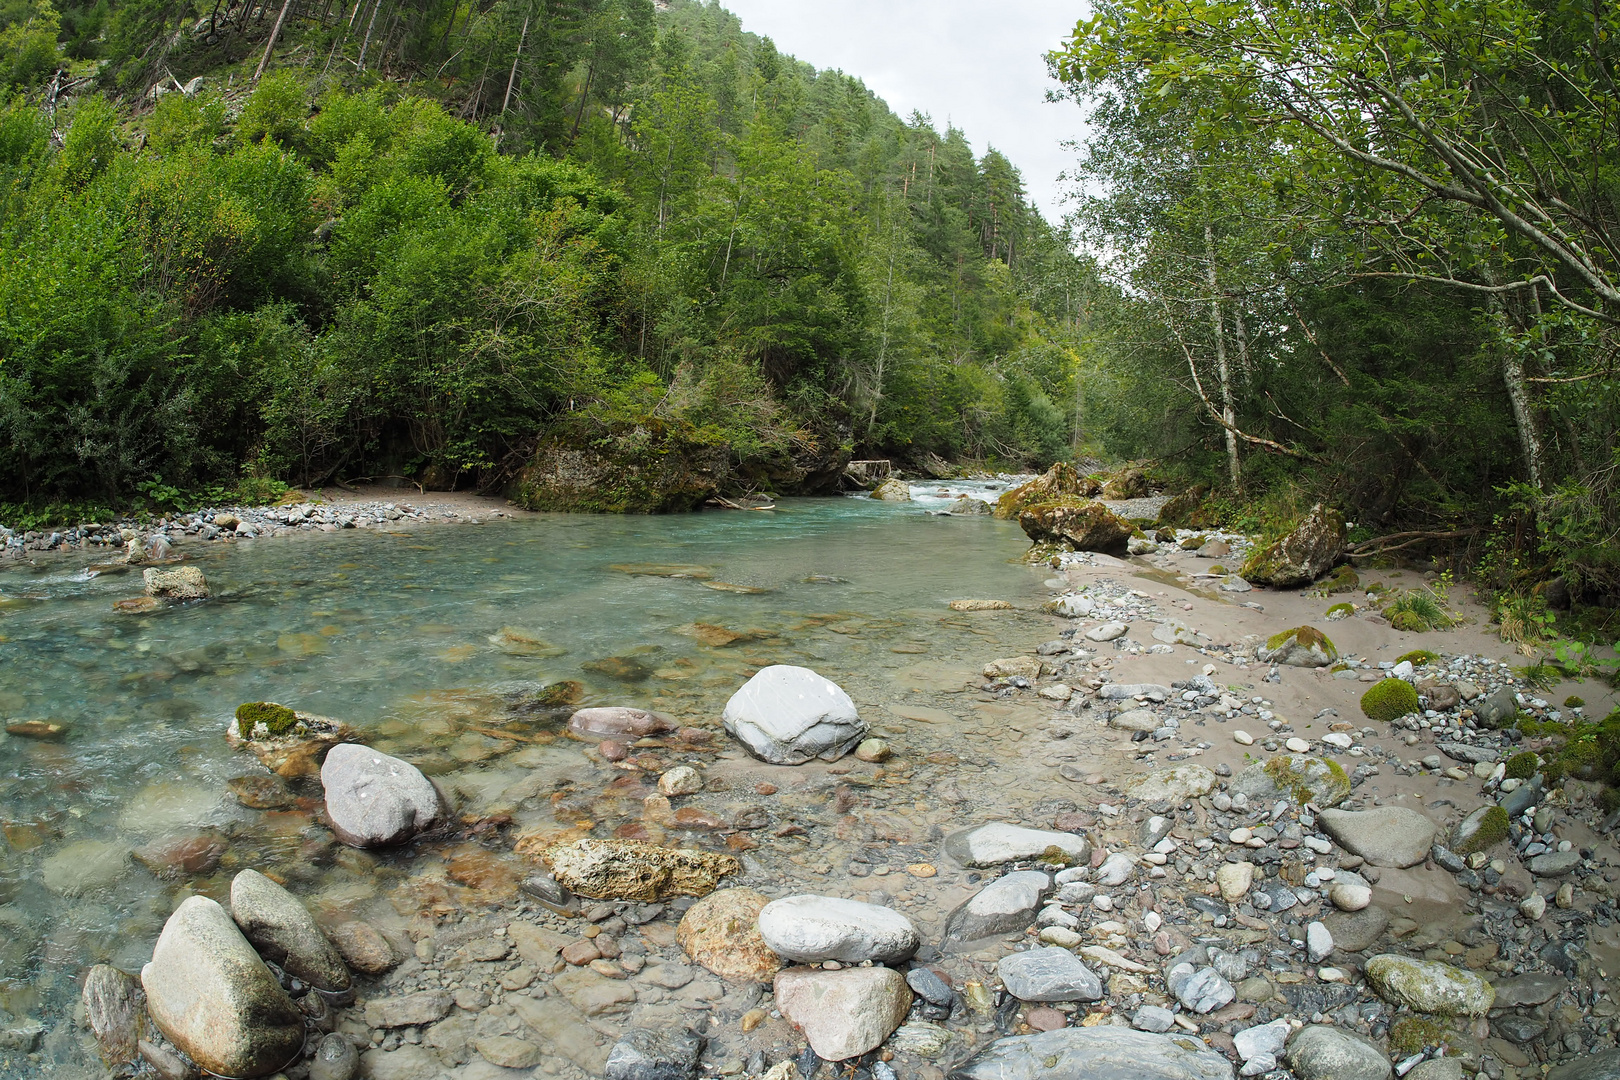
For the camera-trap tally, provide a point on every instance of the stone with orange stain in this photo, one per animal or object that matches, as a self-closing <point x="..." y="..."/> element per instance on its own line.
<point x="485" y="871"/>
<point x="741" y="842"/>
<point x="695" y="817"/>
<point x="184" y="854"/>
<point x="720" y="933"/>
<point x="24" y="835"/>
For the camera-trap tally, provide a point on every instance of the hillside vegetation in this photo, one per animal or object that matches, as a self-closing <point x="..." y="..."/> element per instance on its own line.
<point x="431" y="237"/>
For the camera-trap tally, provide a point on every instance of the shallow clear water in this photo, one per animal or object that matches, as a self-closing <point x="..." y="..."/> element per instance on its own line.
<point x="391" y="632"/>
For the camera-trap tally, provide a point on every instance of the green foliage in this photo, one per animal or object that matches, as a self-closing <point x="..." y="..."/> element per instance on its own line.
<point x="92" y="142"/>
<point x="1418" y="610"/>
<point x="1541" y="677"/>
<point x="1591" y="751"/>
<point x="277" y="719"/>
<point x="1389" y="699"/>
<point x="184" y="120"/>
<point x="1521" y="766"/>
<point x="276" y="111"/>
<point x="28" y="44"/>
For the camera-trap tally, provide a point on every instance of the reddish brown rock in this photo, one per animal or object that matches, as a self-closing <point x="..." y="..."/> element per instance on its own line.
<point x="185" y="854"/>
<point x="617" y="723"/>
<point x="721" y="933"/>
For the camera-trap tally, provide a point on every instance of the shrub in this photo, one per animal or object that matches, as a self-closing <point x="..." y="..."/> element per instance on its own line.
<point x="1521" y="766"/>
<point x="277" y="719"/>
<point x="1389" y="700"/>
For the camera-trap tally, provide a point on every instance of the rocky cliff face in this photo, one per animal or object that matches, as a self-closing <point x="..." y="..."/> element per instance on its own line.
<point x="640" y="469"/>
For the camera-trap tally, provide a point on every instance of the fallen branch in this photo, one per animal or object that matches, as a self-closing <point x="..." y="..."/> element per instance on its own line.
<point x="1375" y="546"/>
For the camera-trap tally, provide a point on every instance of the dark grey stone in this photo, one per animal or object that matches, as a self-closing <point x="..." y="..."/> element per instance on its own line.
<point x="930" y="987"/>
<point x="642" y="1054"/>
<point x="1604" y="1066"/>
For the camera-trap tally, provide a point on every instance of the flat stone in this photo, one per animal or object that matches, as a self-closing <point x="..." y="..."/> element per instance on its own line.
<point x="1603" y="1066"/>
<point x="1356" y="931"/>
<point x="1048" y="974"/>
<point x="1234" y="880"/>
<point x="1322" y="1052"/>
<point x="1473" y="755"/>
<point x="1319" y="942"/>
<point x="1175" y="785"/>
<point x="1094" y="1053"/>
<point x="408" y="1010"/>
<point x="1266" y="1039"/>
<point x="1555" y="863"/>
<point x="213" y="998"/>
<point x="1429" y="986"/>
<point x="618" y="722"/>
<point x="1153" y="1018"/>
<point x="1122" y="691"/>
<point x="1529" y="989"/>
<point x="1384" y="836"/>
<point x="1107" y="631"/>
<point x="508" y="1053"/>
<point x="997" y="842"/>
<point x="405" y="1063"/>
<point x="843" y="1014"/>
<point x="363" y="949"/>
<point x="593" y="994"/>
<point x="635" y="869"/>
<point x="1135" y="720"/>
<point x="1295" y="777"/>
<point x="1006" y="905"/>
<point x="284" y="933"/>
<point x="1437" y="1069"/>
<point x="930" y="987"/>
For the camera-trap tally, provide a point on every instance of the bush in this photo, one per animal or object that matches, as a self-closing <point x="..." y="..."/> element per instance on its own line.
<point x="1390" y="700"/>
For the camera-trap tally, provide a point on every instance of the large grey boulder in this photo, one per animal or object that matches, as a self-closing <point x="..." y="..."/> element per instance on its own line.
<point x="1323" y="1052"/>
<point x="1302" y="556"/>
<point x="374" y="800"/>
<point x="283" y="932"/>
<point x="1048" y="974"/>
<point x="1095" y="1053"/>
<point x="1296" y="777"/>
<point x="997" y="842"/>
<point x="809" y="929"/>
<point x="211" y="995"/>
<point x="789" y="715"/>
<point x="1384" y="836"/>
<point x="843" y="1014"/>
<point x="1006" y="905"/>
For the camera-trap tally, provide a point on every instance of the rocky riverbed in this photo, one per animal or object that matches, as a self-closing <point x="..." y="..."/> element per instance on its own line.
<point x="1131" y="845"/>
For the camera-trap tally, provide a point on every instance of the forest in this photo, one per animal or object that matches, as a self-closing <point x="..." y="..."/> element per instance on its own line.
<point x="1315" y="253"/>
<point x="419" y="239"/>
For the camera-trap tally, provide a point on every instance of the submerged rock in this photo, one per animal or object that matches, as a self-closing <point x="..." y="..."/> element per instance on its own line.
<point x="811" y="929"/>
<point x="1176" y="784"/>
<point x="296" y="751"/>
<point x="211" y="995"/>
<point x="115" y="1009"/>
<point x="183" y="583"/>
<point x="843" y="1014"/>
<point x="1302" y="556"/>
<point x="997" y="842"/>
<point x="283" y="931"/>
<point x="1095" y="1053"/>
<point x="720" y="932"/>
<point x="788" y="715"/>
<point x="374" y="800"/>
<point x="635" y="870"/>
<point x="968" y="506"/>
<point x="618" y="723"/>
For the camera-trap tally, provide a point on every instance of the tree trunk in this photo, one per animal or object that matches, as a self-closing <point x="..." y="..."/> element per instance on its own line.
<point x="1228" y="412"/>
<point x="275" y="32"/>
<point x="511" y="80"/>
<point x="883" y="343"/>
<point x="584" y="96"/>
<point x="1518" y="390"/>
<point x="370" y="24"/>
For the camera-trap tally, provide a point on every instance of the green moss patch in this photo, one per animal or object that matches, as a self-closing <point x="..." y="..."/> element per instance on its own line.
<point x="1389" y="699"/>
<point x="1418" y="657"/>
<point x="1308" y="636"/>
<point x="1341" y="611"/>
<point x="1573" y="702"/>
<point x="1490" y="829"/>
<point x="1414" y="1034"/>
<point x="1521" y="766"/>
<point x="277" y="719"/>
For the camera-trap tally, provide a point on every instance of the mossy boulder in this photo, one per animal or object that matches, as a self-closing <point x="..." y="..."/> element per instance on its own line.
<point x="1058" y="481"/>
<point x="1303" y="646"/>
<point x="892" y="491"/>
<point x="1077" y="525"/>
<point x="1295" y="777"/>
<point x="1429" y="986"/>
<point x="647" y="468"/>
<point x="1484" y="828"/>
<point x="1390" y="699"/>
<point x="276" y="719"/>
<point x="1303" y="555"/>
<point x="1342" y="580"/>
<point x="287" y="742"/>
<point x="1128" y="483"/>
<point x="1184" y="510"/>
<point x="1417" y="657"/>
<point x="1340" y="611"/>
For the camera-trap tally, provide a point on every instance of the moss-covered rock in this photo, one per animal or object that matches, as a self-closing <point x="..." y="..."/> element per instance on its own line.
<point x="1076" y="524"/>
<point x="1296" y="777"/>
<point x="1484" y="828"/>
<point x="1414" y="1034"/>
<point x="1303" y="646"/>
<point x="1429" y="986"/>
<point x="1184" y="510"/>
<point x="1302" y="556"/>
<point x="892" y="490"/>
<point x="1521" y="766"/>
<point x="1058" y="481"/>
<point x="1417" y="657"/>
<point x="1342" y="580"/>
<point x="1128" y="483"/>
<point x="1389" y="699"/>
<point x="647" y="468"/>
<point x="277" y="719"/>
<point x="1193" y="542"/>
<point x="1341" y="611"/>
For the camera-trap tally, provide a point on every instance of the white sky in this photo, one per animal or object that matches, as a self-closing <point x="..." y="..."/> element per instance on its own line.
<point x="978" y="64"/>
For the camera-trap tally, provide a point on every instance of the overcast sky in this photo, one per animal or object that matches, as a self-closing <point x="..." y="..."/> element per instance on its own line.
<point x="978" y="64"/>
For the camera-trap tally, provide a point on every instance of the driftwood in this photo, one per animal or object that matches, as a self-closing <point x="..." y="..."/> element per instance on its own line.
<point x="742" y="504"/>
<point x="1384" y="544"/>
